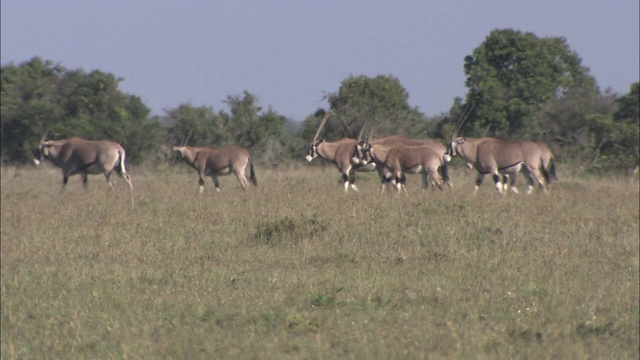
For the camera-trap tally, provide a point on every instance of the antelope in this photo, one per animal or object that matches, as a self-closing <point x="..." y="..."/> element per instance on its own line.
<point x="497" y="157"/>
<point x="215" y="161"/>
<point x="547" y="169"/>
<point x="339" y="153"/>
<point x="85" y="157"/>
<point x="397" y="160"/>
<point x="392" y="140"/>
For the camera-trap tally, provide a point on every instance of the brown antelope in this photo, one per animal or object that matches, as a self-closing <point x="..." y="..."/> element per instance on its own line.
<point x="547" y="170"/>
<point x="85" y="157"/>
<point x="497" y="157"/>
<point x="215" y="161"/>
<point x="398" y="160"/>
<point x="339" y="153"/>
<point x="393" y="140"/>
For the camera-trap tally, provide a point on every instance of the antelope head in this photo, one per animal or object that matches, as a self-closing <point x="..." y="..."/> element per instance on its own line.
<point x="313" y="149"/>
<point x="43" y="148"/>
<point x="358" y="155"/>
<point x="366" y="148"/>
<point x="180" y="151"/>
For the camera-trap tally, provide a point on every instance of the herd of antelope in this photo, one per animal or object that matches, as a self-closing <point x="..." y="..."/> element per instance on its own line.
<point x="391" y="156"/>
<point x="394" y="156"/>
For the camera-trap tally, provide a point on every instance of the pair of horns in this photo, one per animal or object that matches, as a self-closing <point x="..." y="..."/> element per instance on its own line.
<point x="324" y="121"/>
<point x="461" y="121"/>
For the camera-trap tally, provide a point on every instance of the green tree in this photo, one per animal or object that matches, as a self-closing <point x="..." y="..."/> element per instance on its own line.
<point x="30" y="104"/>
<point x="382" y="102"/>
<point x="511" y="75"/>
<point x="196" y="126"/>
<point x="623" y="133"/>
<point x="564" y="124"/>
<point x="40" y="96"/>
<point x="245" y="124"/>
<point x="244" y="115"/>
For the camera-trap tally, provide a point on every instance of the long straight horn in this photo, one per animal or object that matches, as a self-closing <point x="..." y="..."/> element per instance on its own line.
<point x="362" y="131"/>
<point x="463" y="118"/>
<point x="370" y="135"/>
<point x="46" y="133"/>
<point x="186" y="140"/>
<point x="322" y="122"/>
<point x="486" y="130"/>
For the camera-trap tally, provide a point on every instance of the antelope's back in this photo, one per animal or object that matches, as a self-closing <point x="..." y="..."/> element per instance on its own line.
<point x="531" y="152"/>
<point x="345" y="148"/>
<point x="226" y="156"/>
<point x="504" y="153"/>
<point x="399" y="139"/>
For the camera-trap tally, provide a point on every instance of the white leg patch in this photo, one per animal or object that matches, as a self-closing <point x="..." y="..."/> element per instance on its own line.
<point x="354" y="187"/>
<point x="201" y="189"/>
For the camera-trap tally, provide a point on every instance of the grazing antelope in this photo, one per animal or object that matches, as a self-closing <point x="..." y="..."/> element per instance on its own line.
<point x="214" y="161"/>
<point x="339" y="153"/>
<point x="397" y="160"/>
<point x="85" y="157"/>
<point x="393" y="140"/>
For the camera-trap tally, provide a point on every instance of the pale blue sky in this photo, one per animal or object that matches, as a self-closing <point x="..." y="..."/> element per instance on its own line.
<point x="289" y="52"/>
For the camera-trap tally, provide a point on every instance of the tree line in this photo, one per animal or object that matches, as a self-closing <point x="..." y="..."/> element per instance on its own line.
<point x="519" y="86"/>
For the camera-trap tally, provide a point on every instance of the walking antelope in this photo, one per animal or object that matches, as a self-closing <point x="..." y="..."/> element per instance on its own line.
<point x="85" y="157"/>
<point x="497" y="157"/>
<point x="214" y="161"/>
<point x="339" y="153"/>
<point x="397" y="160"/>
<point x="435" y="145"/>
<point x="547" y="170"/>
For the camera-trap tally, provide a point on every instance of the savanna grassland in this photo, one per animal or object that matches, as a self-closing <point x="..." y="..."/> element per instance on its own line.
<point x="297" y="269"/>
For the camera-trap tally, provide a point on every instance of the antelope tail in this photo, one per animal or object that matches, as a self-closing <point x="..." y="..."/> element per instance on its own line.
<point x="549" y="171"/>
<point x="252" y="174"/>
<point x="444" y="171"/>
<point x="552" y="170"/>
<point x="120" y="165"/>
<point x="545" y="175"/>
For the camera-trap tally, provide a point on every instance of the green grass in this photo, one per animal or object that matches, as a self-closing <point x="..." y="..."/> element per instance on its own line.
<point x="297" y="269"/>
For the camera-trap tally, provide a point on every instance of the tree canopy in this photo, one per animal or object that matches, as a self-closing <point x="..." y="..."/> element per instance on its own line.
<point x="380" y="102"/>
<point x="41" y="97"/>
<point x="511" y="75"/>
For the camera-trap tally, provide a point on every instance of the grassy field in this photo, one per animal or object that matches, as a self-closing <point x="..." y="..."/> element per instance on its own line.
<point x="297" y="269"/>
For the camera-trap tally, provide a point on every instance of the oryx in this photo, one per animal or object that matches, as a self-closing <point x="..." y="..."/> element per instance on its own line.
<point x="497" y="157"/>
<point x="214" y="161"/>
<point x="397" y="160"/>
<point x="547" y="170"/>
<point x="393" y="140"/>
<point x="85" y="157"/>
<point x="339" y="153"/>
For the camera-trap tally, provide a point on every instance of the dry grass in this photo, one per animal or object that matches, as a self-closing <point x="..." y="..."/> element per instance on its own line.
<point x="297" y="269"/>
